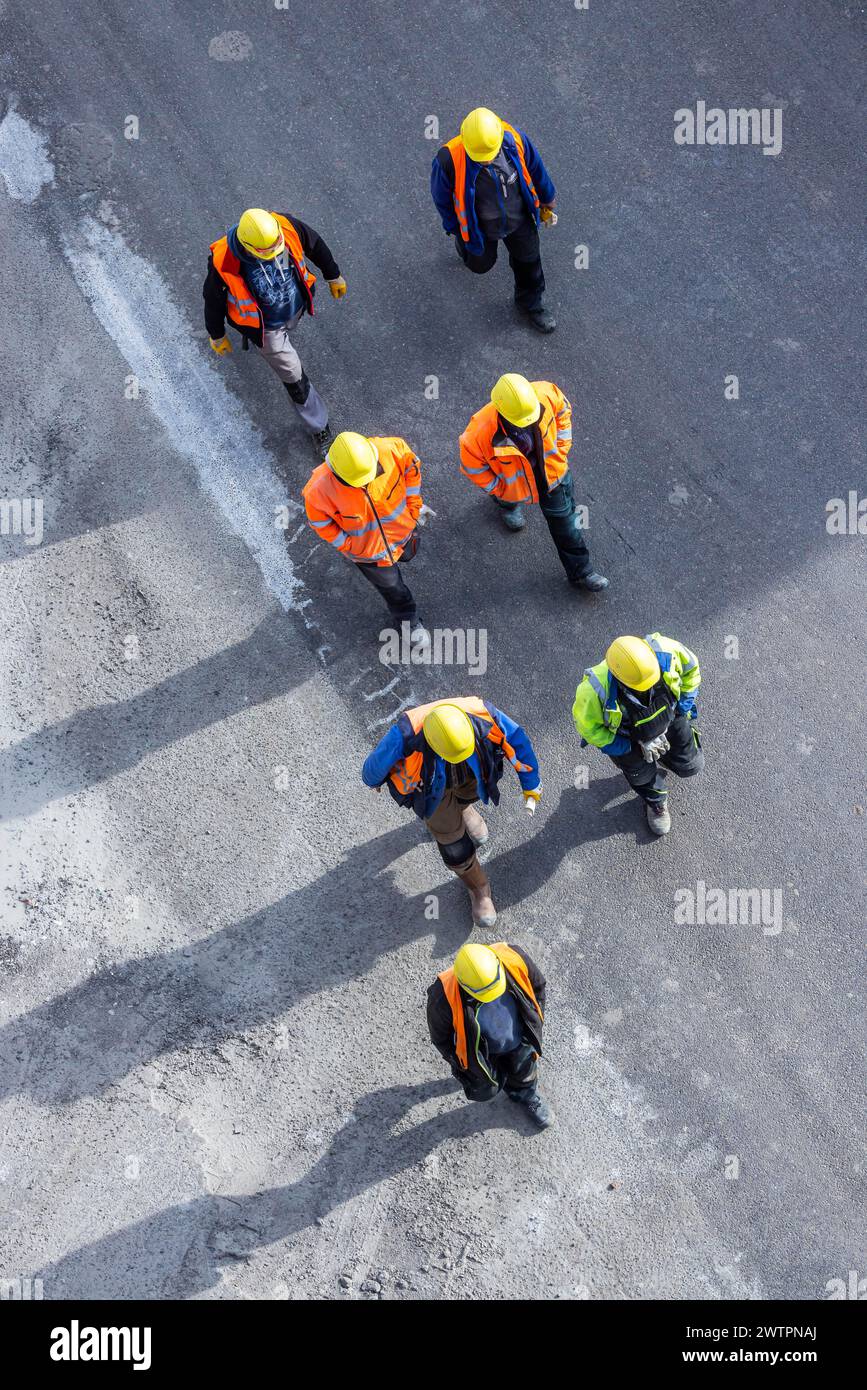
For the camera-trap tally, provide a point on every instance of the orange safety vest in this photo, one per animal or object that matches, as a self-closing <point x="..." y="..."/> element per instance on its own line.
<point x="241" y="307"/>
<point x="458" y="153"/>
<point x="491" y="461"/>
<point x="353" y="519"/>
<point x="406" y="775"/>
<point x="515" y="966"/>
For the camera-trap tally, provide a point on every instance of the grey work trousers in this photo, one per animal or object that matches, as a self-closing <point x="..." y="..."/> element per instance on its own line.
<point x="280" y="354"/>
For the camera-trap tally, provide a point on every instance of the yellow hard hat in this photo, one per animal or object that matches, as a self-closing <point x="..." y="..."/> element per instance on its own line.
<point x="353" y="458"/>
<point x="480" y="972"/>
<point x="259" y="233"/>
<point x="516" y="400"/>
<point x="633" y="662"/>
<point x="482" y="134"/>
<point x="449" y="732"/>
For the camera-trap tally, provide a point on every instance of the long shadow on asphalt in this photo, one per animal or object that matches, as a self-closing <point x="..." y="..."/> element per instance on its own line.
<point x="87" y="1039"/>
<point x="581" y="818"/>
<point x="177" y="1252"/>
<point x="98" y="743"/>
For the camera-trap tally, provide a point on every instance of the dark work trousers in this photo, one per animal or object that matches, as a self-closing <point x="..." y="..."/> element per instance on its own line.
<point x="516" y="1074"/>
<point x="684" y="759"/>
<point x="390" y="583"/>
<point x="524" y="258"/>
<point x="558" y="509"/>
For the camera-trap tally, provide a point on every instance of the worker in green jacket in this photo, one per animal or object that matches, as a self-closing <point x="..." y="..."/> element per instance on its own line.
<point x="638" y="706"/>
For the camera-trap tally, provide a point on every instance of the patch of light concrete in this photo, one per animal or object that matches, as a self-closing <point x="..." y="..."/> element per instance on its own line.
<point x="203" y="420"/>
<point x="24" y="162"/>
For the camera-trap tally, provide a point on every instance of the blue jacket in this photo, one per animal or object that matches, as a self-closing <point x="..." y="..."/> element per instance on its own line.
<point x="392" y="747"/>
<point x="442" y="182"/>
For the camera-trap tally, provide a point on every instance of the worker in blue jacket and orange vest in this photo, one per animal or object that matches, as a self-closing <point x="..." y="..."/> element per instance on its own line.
<point x="516" y="449"/>
<point x="259" y="278"/>
<point x="365" y="500"/>
<point x="484" y="1015"/>
<point x="490" y="185"/>
<point x="438" y="760"/>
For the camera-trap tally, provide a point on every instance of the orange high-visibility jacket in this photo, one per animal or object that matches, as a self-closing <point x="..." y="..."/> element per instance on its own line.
<point x="491" y="461"/>
<point x="515" y="967"/>
<point x="241" y="307"/>
<point x="353" y="519"/>
<point x="457" y="150"/>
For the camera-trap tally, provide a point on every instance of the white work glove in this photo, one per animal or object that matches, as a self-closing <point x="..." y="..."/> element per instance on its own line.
<point x="655" y="748"/>
<point x="424" y="513"/>
<point x="548" y="216"/>
<point x="531" y="798"/>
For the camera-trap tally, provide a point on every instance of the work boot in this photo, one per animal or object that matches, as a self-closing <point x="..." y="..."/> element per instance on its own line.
<point x="593" y="582"/>
<point x="476" y="882"/>
<point x="542" y="319"/>
<point x="514" y="518"/>
<point x="657" y="817"/>
<point x="536" y="1107"/>
<point x="475" y="826"/>
<point x="320" y="441"/>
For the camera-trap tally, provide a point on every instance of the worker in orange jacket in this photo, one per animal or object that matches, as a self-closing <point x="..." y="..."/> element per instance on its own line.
<point x="365" y="500"/>
<point x="516" y="449"/>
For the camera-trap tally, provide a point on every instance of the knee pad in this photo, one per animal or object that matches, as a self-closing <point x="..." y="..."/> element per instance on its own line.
<point x="298" y="390"/>
<point x="459" y="854"/>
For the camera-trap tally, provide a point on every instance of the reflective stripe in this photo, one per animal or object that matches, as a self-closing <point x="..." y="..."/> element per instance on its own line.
<point x="374" y="525"/>
<point x="320" y="524"/>
<point x="489" y="487"/>
<point x="600" y="690"/>
<point x="691" y="665"/>
<point x="413" y="491"/>
<point x="338" y="539"/>
<point x="486" y="469"/>
<point x="369" y="559"/>
<point x="564" y="434"/>
<point x="647" y="718"/>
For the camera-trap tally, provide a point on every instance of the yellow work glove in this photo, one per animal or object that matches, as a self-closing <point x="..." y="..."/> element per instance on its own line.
<point x="221" y="345"/>
<point x="548" y="216"/>
<point x="337" y="288"/>
<point x="530" y="800"/>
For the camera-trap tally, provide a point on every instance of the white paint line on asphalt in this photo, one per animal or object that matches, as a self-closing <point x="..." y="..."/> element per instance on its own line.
<point x="203" y="420"/>
<point x="24" y="163"/>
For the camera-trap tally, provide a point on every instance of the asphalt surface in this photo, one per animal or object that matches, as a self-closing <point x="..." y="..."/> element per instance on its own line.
<point x="216" y="1077"/>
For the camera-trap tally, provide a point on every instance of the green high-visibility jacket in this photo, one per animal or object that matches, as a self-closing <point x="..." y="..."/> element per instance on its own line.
<point x="598" y="715"/>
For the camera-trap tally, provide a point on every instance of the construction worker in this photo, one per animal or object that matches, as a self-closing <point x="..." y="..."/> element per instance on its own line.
<point x="516" y="448"/>
<point x="365" y="500"/>
<point x="490" y="185"/>
<point x="259" y="278"/>
<point x="485" y="1016"/>
<point x="438" y="760"/>
<point x="638" y="706"/>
